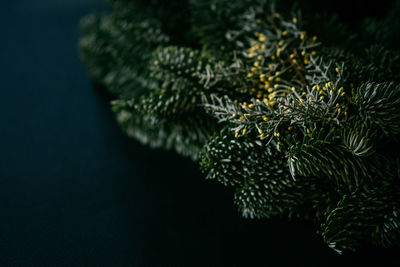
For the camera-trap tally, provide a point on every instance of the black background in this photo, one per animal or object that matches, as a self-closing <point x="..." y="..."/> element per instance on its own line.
<point x="74" y="191"/>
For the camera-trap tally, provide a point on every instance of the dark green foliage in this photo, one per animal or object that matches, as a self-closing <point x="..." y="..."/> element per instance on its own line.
<point x="186" y="135"/>
<point x="364" y="215"/>
<point x="115" y="48"/>
<point x="264" y="184"/>
<point x="383" y="31"/>
<point x="379" y="104"/>
<point x="299" y="112"/>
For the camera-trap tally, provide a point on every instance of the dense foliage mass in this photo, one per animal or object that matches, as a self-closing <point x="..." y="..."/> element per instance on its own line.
<point x="298" y="112"/>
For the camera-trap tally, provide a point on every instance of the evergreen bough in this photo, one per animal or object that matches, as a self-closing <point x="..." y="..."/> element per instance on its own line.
<point x="300" y="116"/>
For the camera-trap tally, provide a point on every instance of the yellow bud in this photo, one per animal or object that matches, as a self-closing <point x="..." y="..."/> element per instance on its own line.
<point x="337" y="69"/>
<point x="260" y="131"/>
<point x="277" y="79"/>
<point x="290" y="128"/>
<point x="234" y="115"/>
<point x="265" y="118"/>
<point x="294" y="20"/>
<point x="263" y="46"/>
<point x="313" y="53"/>
<point x="260" y="57"/>
<point x="237" y="133"/>
<point x="256" y="64"/>
<point x="244" y="131"/>
<point x="276" y="86"/>
<point x="250" y="75"/>
<point x="280" y="43"/>
<point x="284" y="33"/>
<point x="251" y="106"/>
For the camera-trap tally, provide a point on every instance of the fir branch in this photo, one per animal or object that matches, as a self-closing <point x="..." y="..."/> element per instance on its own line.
<point x="299" y="125"/>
